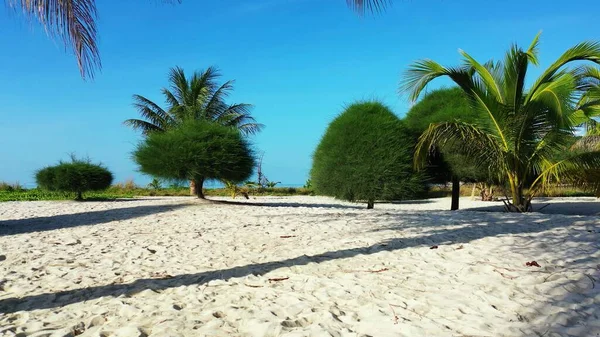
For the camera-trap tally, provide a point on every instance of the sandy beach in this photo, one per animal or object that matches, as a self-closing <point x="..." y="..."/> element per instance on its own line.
<point x="298" y="266"/>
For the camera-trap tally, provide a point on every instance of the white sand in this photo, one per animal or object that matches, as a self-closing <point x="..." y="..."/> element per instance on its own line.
<point x="172" y="267"/>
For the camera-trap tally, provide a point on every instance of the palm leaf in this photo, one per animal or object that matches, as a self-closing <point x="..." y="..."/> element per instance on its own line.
<point x="373" y="6"/>
<point x="475" y="142"/>
<point x="581" y="169"/>
<point x="585" y="51"/>
<point x="73" y="21"/>
<point x="143" y="126"/>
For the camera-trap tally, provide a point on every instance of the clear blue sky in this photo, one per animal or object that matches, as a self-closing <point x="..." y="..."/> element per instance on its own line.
<point x="298" y="61"/>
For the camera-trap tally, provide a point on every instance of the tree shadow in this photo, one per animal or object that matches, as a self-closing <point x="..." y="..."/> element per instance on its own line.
<point x="451" y="236"/>
<point x="567" y="208"/>
<point x="283" y="204"/>
<point x="48" y="223"/>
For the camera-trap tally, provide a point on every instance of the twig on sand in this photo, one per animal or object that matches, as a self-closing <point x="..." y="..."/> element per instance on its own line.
<point x="504" y="275"/>
<point x="396" y="318"/>
<point x="252" y="286"/>
<point x="277" y="279"/>
<point x="287" y="236"/>
<point x="405" y="307"/>
<point x="366" y="271"/>
<point x="541" y="208"/>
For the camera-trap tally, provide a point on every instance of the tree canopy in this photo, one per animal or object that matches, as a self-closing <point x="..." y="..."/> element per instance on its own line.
<point x="366" y="154"/>
<point x="196" y="150"/>
<point x="447" y="105"/>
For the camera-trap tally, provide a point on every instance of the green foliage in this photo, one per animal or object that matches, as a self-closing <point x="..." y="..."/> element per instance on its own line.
<point x="366" y="154"/>
<point x="308" y="184"/>
<point x="198" y="97"/>
<point x="155" y="184"/>
<point x="527" y="132"/>
<point x="440" y="106"/>
<point x="198" y="151"/>
<point x="4" y="186"/>
<point x="77" y="176"/>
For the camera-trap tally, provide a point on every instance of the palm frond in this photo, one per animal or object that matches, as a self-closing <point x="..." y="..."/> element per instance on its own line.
<point x="364" y="6"/>
<point x="217" y="99"/>
<point x="153" y="113"/>
<point x="515" y="70"/>
<point x="73" y="21"/>
<point x="143" y="126"/>
<point x="580" y="169"/>
<point x="486" y="76"/>
<point x="532" y="51"/>
<point x="179" y="84"/>
<point x="202" y="86"/>
<point x="585" y="51"/>
<point x="475" y="142"/>
<point x="239" y="116"/>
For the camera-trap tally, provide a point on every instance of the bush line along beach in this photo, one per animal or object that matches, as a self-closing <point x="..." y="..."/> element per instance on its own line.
<point x="475" y="212"/>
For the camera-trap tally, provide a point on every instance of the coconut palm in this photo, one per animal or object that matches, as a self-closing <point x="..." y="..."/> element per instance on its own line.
<point x="527" y="133"/>
<point x="74" y="21"/>
<point x="198" y="97"/>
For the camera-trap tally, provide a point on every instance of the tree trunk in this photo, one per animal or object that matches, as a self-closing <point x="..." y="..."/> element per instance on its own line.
<point x="192" y="187"/>
<point x="473" y="191"/>
<point x="198" y="184"/>
<point x="370" y="204"/>
<point x="455" y="193"/>
<point x="79" y="196"/>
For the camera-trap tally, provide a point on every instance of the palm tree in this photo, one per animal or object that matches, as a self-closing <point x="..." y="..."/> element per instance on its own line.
<point x="527" y="133"/>
<point x="196" y="97"/>
<point x="74" y="22"/>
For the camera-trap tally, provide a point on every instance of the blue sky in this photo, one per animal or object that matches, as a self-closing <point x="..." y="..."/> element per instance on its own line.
<point x="298" y="61"/>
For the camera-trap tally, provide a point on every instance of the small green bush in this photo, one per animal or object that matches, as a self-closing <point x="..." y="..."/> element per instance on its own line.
<point x="77" y="176"/>
<point x="366" y="154"/>
<point x="198" y="151"/>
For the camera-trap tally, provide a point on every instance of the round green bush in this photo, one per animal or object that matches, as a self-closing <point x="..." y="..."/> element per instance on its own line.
<point x="366" y="154"/>
<point x="77" y="176"/>
<point x="447" y="105"/>
<point x="197" y="150"/>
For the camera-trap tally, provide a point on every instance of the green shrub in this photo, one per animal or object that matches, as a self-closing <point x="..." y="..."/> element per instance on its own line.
<point x="77" y="176"/>
<point x="198" y="151"/>
<point x="4" y="186"/>
<point x="366" y="154"/>
<point x="439" y="106"/>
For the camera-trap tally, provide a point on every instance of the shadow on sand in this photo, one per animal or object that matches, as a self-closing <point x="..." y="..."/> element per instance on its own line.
<point x="566" y="208"/>
<point x="576" y="308"/>
<point x="47" y="223"/>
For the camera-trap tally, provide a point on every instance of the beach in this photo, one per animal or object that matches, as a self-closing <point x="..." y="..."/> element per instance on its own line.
<point x="298" y="266"/>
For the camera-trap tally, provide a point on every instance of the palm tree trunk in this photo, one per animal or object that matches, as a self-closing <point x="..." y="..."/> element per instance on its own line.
<point x="455" y="193"/>
<point x="192" y="187"/>
<point x="198" y="184"/>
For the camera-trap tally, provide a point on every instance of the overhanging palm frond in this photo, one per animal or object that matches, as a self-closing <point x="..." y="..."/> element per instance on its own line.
<point x="475" y="142"/>
<point x="73" y="21"/>
<point x="364" y="6"/>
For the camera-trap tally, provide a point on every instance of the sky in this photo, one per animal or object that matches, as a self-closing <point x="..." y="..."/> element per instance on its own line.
<point x="299" y="62"/>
